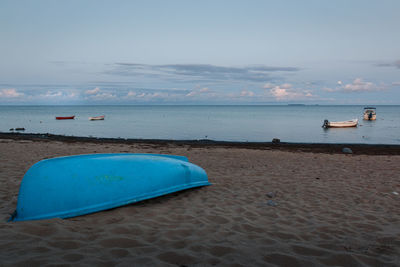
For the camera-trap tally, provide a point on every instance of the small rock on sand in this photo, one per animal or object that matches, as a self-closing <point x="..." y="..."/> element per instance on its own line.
<point x="271" y="194"/>
<point x="347" y="150"/>
<point x="272" y="203"/>
<point x="276" y="141"/>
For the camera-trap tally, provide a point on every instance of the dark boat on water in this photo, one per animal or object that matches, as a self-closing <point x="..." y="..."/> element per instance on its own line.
<point x="65" y="118"/>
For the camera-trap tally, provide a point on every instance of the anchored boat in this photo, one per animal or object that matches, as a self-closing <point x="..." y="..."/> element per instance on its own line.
<point x="71" y="186"/>
<point x="340" y="124"/>
<point x="370" y="113"/>
<point x="65" y="118"/>
<point x="98" y="118"/>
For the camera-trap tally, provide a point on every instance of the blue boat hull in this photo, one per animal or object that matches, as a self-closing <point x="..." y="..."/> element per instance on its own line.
<point x="71" y="186"/>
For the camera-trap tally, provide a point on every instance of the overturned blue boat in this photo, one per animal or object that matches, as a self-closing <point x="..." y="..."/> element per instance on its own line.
<point x="71" y="186"/>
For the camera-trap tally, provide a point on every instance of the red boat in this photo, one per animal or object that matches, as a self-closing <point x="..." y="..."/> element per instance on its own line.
<point x="65" y="118"/>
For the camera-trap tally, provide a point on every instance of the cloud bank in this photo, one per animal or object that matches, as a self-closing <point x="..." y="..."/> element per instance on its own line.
<point x="10" y="93"/>
<point x="199" y="72"/>
<point x="287" y="92"/>
<point x="395" y="64"/>
<point x="358" y="85"/>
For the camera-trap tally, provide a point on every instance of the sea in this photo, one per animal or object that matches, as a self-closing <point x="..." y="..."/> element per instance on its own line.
<point x="252" y="123"/>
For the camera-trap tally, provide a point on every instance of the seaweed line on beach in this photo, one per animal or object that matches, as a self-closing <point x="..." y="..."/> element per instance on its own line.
<point x="360" y="149"/>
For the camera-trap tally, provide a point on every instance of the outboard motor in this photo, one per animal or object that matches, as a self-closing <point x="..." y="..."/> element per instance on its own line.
<point x="326" y="124"/>
<point x="369" y="116"/>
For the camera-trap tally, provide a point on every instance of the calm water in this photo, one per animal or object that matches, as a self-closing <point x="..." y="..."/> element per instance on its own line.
<point x="228" y="123"/>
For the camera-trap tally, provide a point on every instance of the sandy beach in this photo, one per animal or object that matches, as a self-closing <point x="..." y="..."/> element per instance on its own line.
<point x="265" y="207"/>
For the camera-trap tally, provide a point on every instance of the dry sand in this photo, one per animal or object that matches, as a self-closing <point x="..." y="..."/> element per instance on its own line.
<point x="332" y="209"/>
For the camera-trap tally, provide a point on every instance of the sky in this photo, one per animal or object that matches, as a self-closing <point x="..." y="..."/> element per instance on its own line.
<point x="55" y="52"/>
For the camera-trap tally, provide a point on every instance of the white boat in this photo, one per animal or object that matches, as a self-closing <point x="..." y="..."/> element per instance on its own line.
<point x="98" y="118"/>
<point x="340" y="124"/>
<point x="370" y="113"/>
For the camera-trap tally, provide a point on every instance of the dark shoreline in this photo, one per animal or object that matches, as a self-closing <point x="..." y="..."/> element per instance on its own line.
<point x="358" y="149"/>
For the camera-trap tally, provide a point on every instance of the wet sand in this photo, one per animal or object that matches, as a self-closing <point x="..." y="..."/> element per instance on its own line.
<point x="265" y="207"/>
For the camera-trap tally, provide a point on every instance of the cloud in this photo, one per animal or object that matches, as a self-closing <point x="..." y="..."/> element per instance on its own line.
<point x="192" y="93"/>
<point x="308" y="93"/>
<point x="287" y="92"/>
<point x="199" y="72"/>
<point x="146" y="96"/>
<point x="170" y="95"/>
<point x="10" y="93"/>
<point x="396" y="83"/>
<point x="97" y="94"/>
<point x="247" y="93"/>
<point x="395" y="64"/>
<point x="286" y="86"/>
<point x="103" y="96"/>
<point x="51" y="94"/>
<point x="131" y="94"/>
<point x="358" y="85"/>
<point x="280" y="93"/>
<point x="268" y="86"/>
<point x="155" y="95"/>
<point x="201" y="91"/>
<point x="93" y="91"/>
<point x="330" y="90"/>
